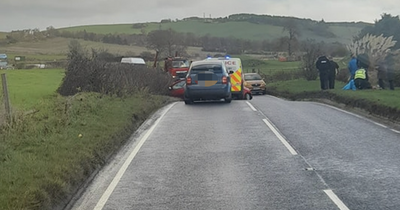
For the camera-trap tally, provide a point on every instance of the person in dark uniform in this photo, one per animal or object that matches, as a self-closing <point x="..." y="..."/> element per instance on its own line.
<point x="323" y="65"/>
<point x="333" y="71"/>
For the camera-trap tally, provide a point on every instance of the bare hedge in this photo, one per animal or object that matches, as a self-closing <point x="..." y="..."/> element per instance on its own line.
<point x="92" y="74"/>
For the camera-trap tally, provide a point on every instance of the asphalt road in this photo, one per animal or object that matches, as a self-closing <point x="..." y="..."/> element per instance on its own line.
<point x="266" y="154"/>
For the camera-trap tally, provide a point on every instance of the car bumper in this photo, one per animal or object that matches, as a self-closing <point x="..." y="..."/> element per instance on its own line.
<point x="208" y="93"/>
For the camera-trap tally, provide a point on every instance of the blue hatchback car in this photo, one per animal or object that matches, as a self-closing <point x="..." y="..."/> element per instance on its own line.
<point x="207" y="80"/>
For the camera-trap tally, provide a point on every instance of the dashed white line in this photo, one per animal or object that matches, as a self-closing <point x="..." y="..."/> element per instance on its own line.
<point x="280" y="137"/>
<point x="251" y="106"/>
<point x="106" y="195"/>
<point x="336" y="200"/>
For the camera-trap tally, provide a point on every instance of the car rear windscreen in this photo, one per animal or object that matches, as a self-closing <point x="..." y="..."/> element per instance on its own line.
<point x="211" y="68"/>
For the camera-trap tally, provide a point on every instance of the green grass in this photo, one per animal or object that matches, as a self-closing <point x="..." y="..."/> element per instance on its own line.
<point x="385" y="97"/>
<point x="28" y="87"/>
<point x="42" y="159"/>
<point x="243" y="30"/>
<point x="58" y="47"/>
<point x="3" y="35"/>
<point x="267" y="67"/>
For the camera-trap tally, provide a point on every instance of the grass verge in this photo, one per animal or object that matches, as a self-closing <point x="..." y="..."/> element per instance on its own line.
<point x="383" y="103"/>
<point x="42" y="158"/>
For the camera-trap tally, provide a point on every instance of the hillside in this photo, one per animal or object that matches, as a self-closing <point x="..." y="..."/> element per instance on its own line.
<point x="243" y="26"/>
<point x="57" y="48"/>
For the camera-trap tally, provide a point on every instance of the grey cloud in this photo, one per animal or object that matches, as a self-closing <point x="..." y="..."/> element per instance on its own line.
<point x="42" y="13"/>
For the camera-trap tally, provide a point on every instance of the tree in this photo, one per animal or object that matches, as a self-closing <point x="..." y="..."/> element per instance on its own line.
<point x="291" y="27"/>
<point x="387" y="26"/>
<point x="376" y="47"/>
<point x="312" y="50"/>
<point x="165" y="42"/>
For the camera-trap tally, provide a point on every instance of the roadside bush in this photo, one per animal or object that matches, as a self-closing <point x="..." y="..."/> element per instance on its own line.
<point x="92" y="74"/>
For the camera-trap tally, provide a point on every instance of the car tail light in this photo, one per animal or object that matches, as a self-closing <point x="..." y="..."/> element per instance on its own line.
<point x="224" y="80"/>
<point x="188" y="81"/>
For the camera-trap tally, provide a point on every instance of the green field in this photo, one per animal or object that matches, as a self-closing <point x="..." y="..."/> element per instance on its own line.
<point x="242" y="30"/>
<point x="28" y="87"/>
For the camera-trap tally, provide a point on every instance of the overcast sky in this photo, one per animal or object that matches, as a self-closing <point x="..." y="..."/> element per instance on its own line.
<point x="25" y="14"/>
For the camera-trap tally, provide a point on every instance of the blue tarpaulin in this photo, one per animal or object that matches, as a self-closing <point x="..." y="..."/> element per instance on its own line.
<point x="350" y="86"/>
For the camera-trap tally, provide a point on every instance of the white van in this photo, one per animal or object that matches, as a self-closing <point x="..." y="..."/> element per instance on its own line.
<point x="133" y="61"/>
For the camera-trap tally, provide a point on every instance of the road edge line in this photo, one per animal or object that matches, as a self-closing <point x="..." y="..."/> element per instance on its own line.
<point x="106" y="195"/>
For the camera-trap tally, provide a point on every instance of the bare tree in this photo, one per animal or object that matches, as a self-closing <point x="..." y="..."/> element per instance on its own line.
<point x="291" y="27"/>
<point x="311" y="50"/>
<point x="166" y="42"/>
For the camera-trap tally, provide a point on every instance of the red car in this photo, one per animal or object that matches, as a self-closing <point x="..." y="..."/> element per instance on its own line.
<point x="177" y="90"/>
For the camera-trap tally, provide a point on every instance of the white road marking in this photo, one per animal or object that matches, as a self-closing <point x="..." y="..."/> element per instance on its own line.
<point x="378" y="124"/>
<point x="251" y="106"/>
<point x="106" y="195"/>
<point x="336" y="200"/>
<point x="280" y="137"/>
<point x="396" y="131"/>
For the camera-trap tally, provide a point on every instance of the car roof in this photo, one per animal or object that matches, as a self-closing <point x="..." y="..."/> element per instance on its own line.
<point x="195" y="63"/>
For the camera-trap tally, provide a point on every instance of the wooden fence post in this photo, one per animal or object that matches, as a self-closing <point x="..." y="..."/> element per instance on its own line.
<point x="6" y="97"/>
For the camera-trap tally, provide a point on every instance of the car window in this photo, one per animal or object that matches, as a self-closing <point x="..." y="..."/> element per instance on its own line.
<point x="213" y="68"/>
<point x="250" y="77"/>
<point x="179" y="85"/>
<point x="180" y="64"/>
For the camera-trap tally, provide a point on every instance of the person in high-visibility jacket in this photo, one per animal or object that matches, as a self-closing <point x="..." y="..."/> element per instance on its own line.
<point x="361" y="79"/>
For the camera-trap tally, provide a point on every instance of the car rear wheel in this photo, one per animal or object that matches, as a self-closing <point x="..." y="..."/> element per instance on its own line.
<point x="188" y="101"/>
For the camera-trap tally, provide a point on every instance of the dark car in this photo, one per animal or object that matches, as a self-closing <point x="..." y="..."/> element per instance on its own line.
<point x="207" y="80"/>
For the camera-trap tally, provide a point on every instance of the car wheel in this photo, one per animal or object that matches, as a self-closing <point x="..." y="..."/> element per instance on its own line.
<point x="248" y="96"/>
<point x="188" y="101"/>
<point x="264" y="92"/>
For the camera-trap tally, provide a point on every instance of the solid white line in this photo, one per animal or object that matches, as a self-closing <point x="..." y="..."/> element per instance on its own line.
<point x="336" y="200"/>
<point x="396" y="131"/>
<point x="280" y="137"/>
<point x="106" y="195"/>
<point x="251" y="106"/>
<point x="378" y="124"/>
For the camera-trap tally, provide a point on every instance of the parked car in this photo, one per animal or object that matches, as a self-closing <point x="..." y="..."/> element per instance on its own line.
<point x="207" y="80"/>
<point x="255" y="83"/>
<point x="133" y="61"/>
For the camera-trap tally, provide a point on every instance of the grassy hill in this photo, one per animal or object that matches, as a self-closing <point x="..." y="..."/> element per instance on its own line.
<point x="57" y="48"/>
<point x="343" y="32"/>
